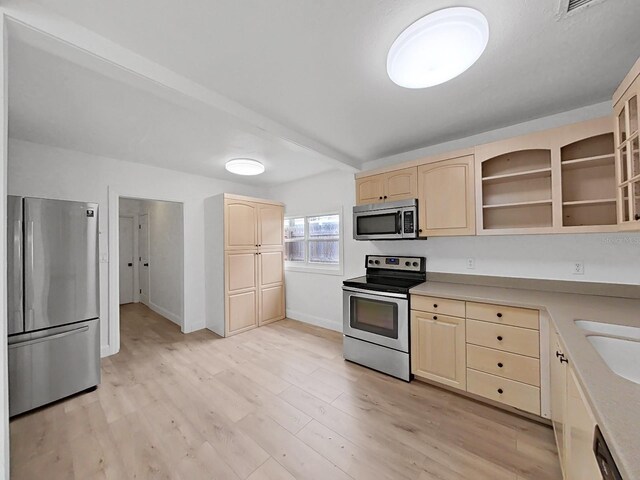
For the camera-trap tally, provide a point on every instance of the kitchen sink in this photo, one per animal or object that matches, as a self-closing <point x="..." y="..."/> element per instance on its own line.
<point x="609" y="329"/>
<point x="621" y="356"/>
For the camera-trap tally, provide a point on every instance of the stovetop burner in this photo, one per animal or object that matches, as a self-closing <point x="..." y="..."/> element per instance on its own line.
<point x="390" y="274"/>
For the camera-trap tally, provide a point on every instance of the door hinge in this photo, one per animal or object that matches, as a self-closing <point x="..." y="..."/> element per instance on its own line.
<point x="139" y="227"/>
<point x="140" y="290"/>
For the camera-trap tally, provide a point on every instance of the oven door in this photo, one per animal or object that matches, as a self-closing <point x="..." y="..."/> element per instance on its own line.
<point x="377" y="317"/>
<point x="377" y="225"/>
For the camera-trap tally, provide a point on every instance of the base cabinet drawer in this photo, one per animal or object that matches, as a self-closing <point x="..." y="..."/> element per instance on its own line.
<point x="504" y="364"/>
<point x="504" y="337"/>
<point x="516" y="394"/>
<point x="518" y="317"/>
<point x="443" y="306"/>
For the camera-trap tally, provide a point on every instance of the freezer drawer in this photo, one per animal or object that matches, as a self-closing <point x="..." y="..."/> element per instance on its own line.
<point x="51" y="364"/>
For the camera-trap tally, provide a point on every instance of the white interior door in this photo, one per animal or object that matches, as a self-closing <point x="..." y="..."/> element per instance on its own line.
<point x="143" y="256"/>
<point x="126" y="260"/>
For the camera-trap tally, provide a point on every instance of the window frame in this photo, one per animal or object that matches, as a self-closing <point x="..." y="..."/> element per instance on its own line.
<point x="310" y="267"/>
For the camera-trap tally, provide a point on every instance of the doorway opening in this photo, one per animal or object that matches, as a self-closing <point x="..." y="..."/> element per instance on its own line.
<point x="151" y="261"/>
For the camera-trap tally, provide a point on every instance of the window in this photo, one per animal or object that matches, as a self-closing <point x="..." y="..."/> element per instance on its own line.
<point x="313" y="243"/>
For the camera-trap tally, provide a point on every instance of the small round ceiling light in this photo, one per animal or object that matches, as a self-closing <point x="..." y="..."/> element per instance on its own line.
<point x="244" y="166"/>
<point x="438" y="47"/>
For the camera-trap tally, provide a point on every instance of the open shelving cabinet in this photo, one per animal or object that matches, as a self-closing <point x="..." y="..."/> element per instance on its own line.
<point x="516" y="190"/>
<point x="589" y="182"/>
<point x="560" y="180"/>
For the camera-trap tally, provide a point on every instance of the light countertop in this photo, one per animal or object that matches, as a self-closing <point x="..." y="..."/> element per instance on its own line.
<point x="615" y="401"/>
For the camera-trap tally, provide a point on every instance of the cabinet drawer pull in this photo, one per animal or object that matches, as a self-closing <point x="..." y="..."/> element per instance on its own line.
<point x="500" y="365"/>
<point x="499" y="315"/>
<point x="380" y="198"/>
<point x="500" y="391"/>
<point x="499" y="337"/>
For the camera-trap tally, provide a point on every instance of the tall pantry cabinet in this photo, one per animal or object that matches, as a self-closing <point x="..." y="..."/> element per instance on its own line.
<point x="244" y="263"/>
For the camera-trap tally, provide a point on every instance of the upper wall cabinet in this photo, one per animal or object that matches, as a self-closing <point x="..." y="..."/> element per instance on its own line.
<point x="446" y="198"/>
<point x="627" y="149"/>
<point x="242" y="224"/>
<point x="559" y="180"/>
<point x="387" y="187"/>
<point x="514" y="186"/>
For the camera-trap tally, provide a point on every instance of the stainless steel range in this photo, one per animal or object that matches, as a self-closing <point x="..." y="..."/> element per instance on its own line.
<point x="376" y="313"/>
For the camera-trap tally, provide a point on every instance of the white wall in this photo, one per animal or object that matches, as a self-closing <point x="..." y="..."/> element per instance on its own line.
<point x="4" y="386"/>
<point x="165" y="258"/>
<point x="613" y="258"/>
<point x="42" y="171"/>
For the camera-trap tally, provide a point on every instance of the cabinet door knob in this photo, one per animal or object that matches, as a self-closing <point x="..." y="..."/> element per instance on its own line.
<point x="435" y="305"/>
<point x="563" y="360"/>
<point x="380" y="198"/>
<point x="637" y="216"/>
<point x="420" y="231"/>
<point x="558" y="354"/>
<point x="500" y="391"/>
<point x="499" y="337"/>
<point x="385" y="197"/>
<point x="435" y="317"/>
<point x="500" y="365"/>
<point x="499" y="315"/>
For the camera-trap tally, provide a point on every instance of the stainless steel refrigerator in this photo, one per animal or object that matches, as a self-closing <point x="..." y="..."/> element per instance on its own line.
<point x="53" y="300"/>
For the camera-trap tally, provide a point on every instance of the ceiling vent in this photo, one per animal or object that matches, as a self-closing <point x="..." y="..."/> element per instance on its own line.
<point x="570" y="7"/>
<point x="573" y="4"/>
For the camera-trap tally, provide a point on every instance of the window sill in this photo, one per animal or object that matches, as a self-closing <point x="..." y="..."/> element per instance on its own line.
<point x="320" y="270"/>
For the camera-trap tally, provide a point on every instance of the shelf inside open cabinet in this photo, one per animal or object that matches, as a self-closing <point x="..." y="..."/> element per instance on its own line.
<point x="516" y="190"/>
<point x="589" y="182"/>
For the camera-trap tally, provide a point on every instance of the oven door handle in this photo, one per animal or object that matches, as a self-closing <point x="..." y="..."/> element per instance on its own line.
<point x="375" y="292"/>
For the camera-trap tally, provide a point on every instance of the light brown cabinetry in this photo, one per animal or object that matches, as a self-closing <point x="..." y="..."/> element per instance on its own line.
<point x="438" y="348"/>
<point x="246" y="288"/>
<point x="558" y="392"/>
<point x="573" y="421"/>
<point x="580" y="461"/>
<point x="391" y="186"/>
<point x="446" y="197"/>
<point x="559" y="180"/>
<point x="491" y="351"/>
<point x="626" y="112"/>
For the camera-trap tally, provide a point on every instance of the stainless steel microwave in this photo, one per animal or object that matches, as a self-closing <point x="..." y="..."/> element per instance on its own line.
<point x="386" y="221"/>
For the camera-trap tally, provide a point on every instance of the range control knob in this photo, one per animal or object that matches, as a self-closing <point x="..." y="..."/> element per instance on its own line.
<point x="415" y="264"/>
<point x="377" y="262"/>
<point x="370" y="261"/>
<point x="407" y="264"/>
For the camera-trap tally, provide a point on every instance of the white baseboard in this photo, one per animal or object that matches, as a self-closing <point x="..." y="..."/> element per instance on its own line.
<point x="165" y="313"/>
<point x="105" y="351"/>
<point x="313" y="320"/>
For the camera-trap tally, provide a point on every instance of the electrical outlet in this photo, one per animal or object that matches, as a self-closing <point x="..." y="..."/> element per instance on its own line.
<point x="578" y="268"/>
<point x="471" y="263"/>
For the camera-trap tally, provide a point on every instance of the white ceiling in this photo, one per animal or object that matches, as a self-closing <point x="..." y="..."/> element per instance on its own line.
<point x="56" y="102"/>
<point x="319" y="66"/>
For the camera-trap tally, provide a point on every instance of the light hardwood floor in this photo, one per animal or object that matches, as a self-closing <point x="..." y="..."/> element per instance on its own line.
<point x="277" y="402"/>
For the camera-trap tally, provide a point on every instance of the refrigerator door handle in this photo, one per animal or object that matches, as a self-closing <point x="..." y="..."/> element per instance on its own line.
<point x="49" y="337"/>
<point x="28" y="294"/>
<point x="17" y="269"/>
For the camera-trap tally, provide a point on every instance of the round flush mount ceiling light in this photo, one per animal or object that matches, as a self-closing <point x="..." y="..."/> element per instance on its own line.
<point x="438" y="47"/>
<point x="244" y="166"/>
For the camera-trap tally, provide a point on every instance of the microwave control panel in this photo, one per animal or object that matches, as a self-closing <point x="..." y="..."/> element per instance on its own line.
<point x="408" y="222"/>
